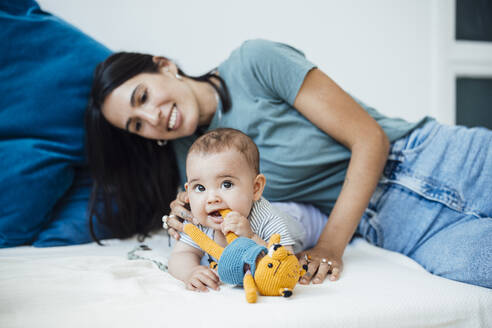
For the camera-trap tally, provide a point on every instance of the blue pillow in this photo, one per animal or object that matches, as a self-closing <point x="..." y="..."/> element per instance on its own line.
<point x="46" y="68"/>
<point x="69" y="224"/>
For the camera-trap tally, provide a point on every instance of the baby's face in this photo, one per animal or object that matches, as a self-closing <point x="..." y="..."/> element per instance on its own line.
<point x="219" y="181"/>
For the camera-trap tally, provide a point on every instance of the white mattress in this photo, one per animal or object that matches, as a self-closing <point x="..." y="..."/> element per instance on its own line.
<point x="93" y="286"/>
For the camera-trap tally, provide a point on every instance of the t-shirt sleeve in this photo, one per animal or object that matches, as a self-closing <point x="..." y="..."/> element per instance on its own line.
<point x="265" y="222"/>
<point x="273" y="225"/>
<point x="277" y="68"/>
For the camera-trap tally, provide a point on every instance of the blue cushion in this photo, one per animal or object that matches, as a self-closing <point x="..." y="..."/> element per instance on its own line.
<point x="69" y="224"/>
<point x="46" y="68"/>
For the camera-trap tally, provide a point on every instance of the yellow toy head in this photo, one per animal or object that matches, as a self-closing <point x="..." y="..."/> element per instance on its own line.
<point x="278" y="271"/>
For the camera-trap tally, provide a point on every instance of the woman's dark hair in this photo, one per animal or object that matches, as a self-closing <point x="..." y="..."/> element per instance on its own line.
<point x="135" y="180"/>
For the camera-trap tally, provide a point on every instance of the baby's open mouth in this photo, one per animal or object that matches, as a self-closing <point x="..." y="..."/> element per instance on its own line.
<point x="215" y="217"/>
<point x="214" y="213"/>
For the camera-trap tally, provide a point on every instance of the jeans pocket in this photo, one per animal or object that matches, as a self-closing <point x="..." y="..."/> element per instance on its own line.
<point x="429" y="189"/>
<point x="370" y="229"/>
<point x="415" y="142"/>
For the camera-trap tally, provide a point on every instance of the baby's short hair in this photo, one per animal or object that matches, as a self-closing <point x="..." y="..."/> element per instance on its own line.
<point x="221" y="139"/>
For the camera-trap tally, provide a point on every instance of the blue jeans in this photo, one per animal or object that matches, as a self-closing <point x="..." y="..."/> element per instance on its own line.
<point x="434" y="202"/>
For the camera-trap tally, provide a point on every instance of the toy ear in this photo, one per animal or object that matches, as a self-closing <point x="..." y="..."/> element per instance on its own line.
<point x="274" y="239"/>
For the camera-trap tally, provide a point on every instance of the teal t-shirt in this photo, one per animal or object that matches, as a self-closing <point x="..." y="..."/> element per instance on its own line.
<point x="301" y="162"/>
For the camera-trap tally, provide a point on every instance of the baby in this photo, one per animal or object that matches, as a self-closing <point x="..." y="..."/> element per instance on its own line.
<point x="222" y="169"/>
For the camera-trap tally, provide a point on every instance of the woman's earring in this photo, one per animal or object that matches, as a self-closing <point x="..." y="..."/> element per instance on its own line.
<point x="161" y="142"/>
<point x="179" y="77"/>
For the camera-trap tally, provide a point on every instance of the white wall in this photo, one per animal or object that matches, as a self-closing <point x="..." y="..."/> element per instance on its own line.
<point x="378" y="50"/>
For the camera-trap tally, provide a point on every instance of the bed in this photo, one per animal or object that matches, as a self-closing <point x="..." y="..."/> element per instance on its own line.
<point x="93" y="286"/>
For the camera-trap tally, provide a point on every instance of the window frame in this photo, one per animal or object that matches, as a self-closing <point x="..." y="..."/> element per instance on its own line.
<point x="451" y="59"/>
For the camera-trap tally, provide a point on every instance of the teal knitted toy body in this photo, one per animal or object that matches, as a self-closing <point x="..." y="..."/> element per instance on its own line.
<point x="238" y="254"/>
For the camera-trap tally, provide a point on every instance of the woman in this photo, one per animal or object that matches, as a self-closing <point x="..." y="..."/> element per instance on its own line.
<point x="318" y="146"/>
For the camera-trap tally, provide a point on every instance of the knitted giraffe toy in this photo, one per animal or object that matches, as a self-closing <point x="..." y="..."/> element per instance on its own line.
<point x="272" y="271"/>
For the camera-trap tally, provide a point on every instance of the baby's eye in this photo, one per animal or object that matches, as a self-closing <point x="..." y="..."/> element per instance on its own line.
<point x="138" y="126"/>
<point x="199" y="188"/>
<point x="227" y="184"/>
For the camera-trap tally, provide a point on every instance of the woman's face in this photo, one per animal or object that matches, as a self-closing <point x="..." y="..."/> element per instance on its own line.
<point x="154" y="106"/>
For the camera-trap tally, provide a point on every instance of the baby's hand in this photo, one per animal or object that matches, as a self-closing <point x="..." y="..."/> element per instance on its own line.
<point x="202" y="277"/>
<point x="238" y="224"/>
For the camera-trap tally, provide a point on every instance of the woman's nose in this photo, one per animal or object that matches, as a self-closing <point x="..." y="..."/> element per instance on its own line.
<point x="151" y="114"/>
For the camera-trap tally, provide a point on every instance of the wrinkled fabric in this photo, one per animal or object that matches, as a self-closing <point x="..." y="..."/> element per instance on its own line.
<point x="434" y="202"/>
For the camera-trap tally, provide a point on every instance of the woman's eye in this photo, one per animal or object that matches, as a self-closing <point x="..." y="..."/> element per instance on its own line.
<point x="143" y="97"/>
<point x="199" y="188"/>
<point x="227" y="184"/>
<point x="138" y="126"/>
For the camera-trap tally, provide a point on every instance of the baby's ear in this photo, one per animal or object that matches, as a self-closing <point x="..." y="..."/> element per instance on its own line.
<point x="259" y="186"/>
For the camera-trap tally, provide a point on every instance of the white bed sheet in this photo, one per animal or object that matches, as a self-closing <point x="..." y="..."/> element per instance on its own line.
<point x="93" y="286"/>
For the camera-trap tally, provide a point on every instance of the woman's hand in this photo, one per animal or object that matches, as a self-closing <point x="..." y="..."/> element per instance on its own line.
<point x="321" y="262"/>
<point x="179" y="212"/>
<point x="201" y="279"/>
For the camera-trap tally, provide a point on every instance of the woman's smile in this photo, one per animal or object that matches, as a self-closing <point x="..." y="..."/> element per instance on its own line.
<point x="174" y="119"/>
